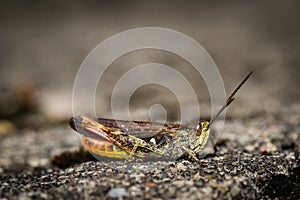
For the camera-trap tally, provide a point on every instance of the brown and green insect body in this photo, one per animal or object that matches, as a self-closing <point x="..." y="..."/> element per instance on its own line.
<point x="126" y="139"/>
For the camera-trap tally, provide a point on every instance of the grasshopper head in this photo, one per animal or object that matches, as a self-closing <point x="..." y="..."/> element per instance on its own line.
<point x="202" y="134"/>
<point x="202" y="129"/>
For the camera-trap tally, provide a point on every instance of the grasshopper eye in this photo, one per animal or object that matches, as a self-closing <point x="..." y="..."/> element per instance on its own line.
<point x="202" y="127"/>
<point x="198" y="129"/>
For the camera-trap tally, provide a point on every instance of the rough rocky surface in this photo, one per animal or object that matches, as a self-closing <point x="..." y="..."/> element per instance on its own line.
<point x="43" y="44"/>
<point x="257" y="158"/>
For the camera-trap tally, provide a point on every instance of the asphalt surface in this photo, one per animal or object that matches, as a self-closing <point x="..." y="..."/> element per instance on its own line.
<point x="257" y="158"/>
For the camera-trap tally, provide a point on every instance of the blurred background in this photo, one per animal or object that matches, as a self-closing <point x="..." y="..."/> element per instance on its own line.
<point x="43" y="44"/>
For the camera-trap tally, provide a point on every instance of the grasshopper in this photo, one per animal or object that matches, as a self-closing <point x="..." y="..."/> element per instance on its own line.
<point x="120" y="139"/>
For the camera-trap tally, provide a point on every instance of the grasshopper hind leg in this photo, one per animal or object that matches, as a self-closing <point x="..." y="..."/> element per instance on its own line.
<point x="131" y="154"/>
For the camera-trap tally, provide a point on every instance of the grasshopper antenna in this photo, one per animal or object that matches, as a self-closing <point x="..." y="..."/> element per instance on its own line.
<point x="230" y="98"/>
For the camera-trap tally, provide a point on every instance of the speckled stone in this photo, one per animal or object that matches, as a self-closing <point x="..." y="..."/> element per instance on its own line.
<point x="256" y="158"/>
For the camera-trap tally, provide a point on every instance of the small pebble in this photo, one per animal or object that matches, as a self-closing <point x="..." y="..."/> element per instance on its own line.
<point x="117" y="192"/>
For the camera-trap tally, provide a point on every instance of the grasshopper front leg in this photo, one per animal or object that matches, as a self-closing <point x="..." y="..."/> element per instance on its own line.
<point x="191" y="153"/>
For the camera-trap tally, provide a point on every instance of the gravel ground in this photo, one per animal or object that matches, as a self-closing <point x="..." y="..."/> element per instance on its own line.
<point x="42" y="46"/>
<point x="257" y="158"/>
